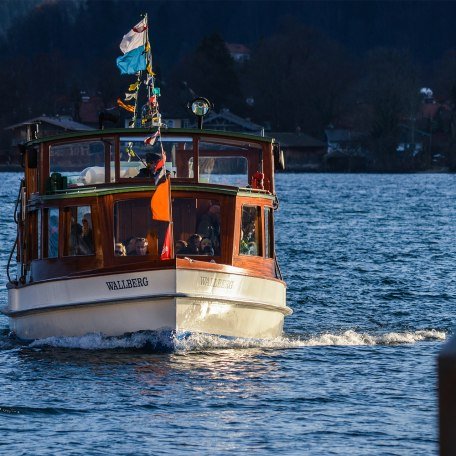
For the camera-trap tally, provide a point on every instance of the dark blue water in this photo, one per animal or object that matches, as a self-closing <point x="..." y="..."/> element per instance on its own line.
<point x="370" y="265"/>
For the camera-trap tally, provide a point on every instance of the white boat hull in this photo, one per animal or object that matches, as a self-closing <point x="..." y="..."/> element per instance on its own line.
<point x="176" y="300"/>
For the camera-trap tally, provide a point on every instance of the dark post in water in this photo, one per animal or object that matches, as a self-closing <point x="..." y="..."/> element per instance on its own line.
<point x="447" y="398"/>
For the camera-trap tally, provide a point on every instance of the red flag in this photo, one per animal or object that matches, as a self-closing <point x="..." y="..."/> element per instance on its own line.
<point x="166" y="251"/>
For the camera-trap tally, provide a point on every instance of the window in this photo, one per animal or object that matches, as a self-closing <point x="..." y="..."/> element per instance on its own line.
<point x="225" y="164"/>
<point x="38" y="225"/>
<point x="135" y="155"/>
<point x="82" y="163"/>
<point x="135" y="232"/>
<point x="250" y="243"/>
<point x="197" y="223"/>
<point x="268" y="240"/>
<point x="78" y="231"/>
<point x="52" y="219"/>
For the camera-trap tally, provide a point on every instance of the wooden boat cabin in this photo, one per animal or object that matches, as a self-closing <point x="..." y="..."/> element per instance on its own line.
<point x="84" y="208"/>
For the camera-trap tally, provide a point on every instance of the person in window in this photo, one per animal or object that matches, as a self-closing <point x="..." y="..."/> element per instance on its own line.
<point x="180" y="245"/>
<point x="119" y="249"/>
<point x="151" y="161"/>
<point x="75" y="238"/>
<point x="209" y="226"/>
<point x="193" y="245"/>
<point x="141" y="245"/>
<point x="86" y="244"/>
<point x="206" y="247"/>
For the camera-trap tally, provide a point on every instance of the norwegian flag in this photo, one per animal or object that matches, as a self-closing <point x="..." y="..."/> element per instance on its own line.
<point x="150" y="140"/>
<point x="160" y="170"/>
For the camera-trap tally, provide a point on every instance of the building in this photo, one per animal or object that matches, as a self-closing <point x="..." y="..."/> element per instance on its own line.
<point x="41" y="126"/>
<point x="238" y="52"/>
<point x="37" y="127"/>
<point x="302" y="152"/>
<point x="225" y="120"/>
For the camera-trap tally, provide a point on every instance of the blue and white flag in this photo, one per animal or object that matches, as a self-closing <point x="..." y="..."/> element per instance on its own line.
<point x="133" y="47"/>
<point x="132" y="61"/>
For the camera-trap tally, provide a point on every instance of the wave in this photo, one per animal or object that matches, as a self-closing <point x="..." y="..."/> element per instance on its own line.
<point x="190" y="342"/>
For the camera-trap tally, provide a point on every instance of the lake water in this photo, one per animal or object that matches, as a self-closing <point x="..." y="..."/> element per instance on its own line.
<point x="370" y="265"/>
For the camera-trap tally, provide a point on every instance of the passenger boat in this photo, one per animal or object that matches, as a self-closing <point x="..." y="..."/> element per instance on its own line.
<point x="147" y="229"/>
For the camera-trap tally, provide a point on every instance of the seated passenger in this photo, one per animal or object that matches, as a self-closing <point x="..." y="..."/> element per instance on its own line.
<point x="206" y="247"/>
<point x="208" y="250"/>
<point x="141" y="246"/>
<point x="75" y="238"/>
<point x="151" y="161"/>
<point x="209" y="225"/>
<point x="130" y="246"/>
<point x="86" y="244"/>
<point x="119" y="249"/>
<point x="180" y="245"/>
<point x="193" y="247"/>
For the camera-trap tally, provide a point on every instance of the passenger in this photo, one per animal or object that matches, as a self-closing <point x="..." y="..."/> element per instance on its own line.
<point x="208" y="250"/>
<point x="86" y="235"/>
<point x="141" y="246"/>
<point x="209" y="225"/>
<point x="252" y="248"/>
<point x="75" y="239"/>
<point x="130" y="246"/>
<point x="180" y="245"/>
<point x="151" y="161"/>
<point x="205" y="242"/>
<point x="193" y="247"/>
<point x="244" y="245"/>
<point x="119" y="249"/>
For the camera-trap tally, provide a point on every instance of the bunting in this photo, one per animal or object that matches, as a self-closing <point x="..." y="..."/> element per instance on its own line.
<point x="125" y="106"/>
<point x="151" y="139"/>
<point x="131" y="96"/>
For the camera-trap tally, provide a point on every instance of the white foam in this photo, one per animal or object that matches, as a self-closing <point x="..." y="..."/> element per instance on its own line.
<point x="201" y="342"/>
<point x="96" y="341"/>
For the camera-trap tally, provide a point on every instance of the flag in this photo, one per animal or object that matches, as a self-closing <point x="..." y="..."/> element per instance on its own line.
<point x="160" y="170"/>
<point x="134" y="86"/>
<point x="125" y="106"/>
<point x="130" y="96"/>
<point x="151" y="139"/>
<point x="132" y="61"/>
<point x="159" y="203"/>
<point x="135" y="38"/>
<point x="166" y="250"/>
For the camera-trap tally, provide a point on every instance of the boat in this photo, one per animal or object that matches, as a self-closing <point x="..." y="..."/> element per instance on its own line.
<point x="147" y="228"/>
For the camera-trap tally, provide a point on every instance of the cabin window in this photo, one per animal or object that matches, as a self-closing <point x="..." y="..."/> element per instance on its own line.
<point x="197" y="223"/>
<point x="135" y="232"/>
<point x="83" y="162"/>
<point x="268" y="239"/>
<point x="39" y="240"/>
<point x="137" y="157"/>
<point x="225" y="164"/>
<point x="51" y="228"/>
<point x="250" y="238"/>
<point x="78" y="231"/>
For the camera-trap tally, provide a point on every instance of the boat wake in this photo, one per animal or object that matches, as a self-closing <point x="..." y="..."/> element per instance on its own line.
<point x="159" y="341"/>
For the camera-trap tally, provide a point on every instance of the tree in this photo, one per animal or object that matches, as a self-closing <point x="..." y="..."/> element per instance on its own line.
<point x="298" y="78"/>
<point x="390" y="90"/>
<point x="209" y="71"/>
